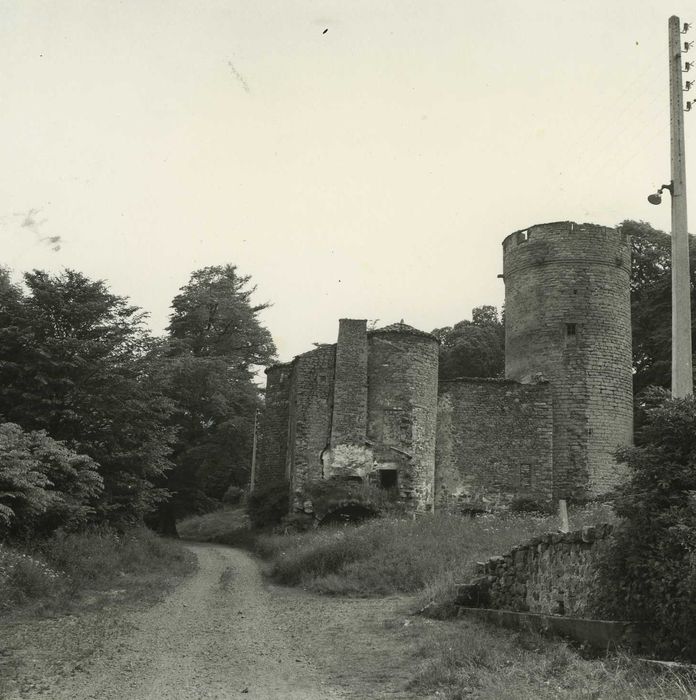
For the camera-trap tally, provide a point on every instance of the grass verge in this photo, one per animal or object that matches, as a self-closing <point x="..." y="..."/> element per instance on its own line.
<point x="466" y="659"/>
<point x="99" y="564"/>
<point x="229" y="525"/>
<point x="401" y="555"/>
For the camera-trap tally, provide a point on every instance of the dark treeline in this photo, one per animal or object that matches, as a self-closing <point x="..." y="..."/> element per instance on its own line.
<point x="102" y="422"/>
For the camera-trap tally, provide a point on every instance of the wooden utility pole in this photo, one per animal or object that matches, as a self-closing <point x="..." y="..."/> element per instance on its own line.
<point x="682" y="374"/>
<point x="252" y="477"/>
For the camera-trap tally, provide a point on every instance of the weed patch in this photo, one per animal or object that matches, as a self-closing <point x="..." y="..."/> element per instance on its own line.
<point x="401" y="555"/>
<point x="229" y="526"/>
<point x="464" y="659"/>
<point x="48" y="575"/>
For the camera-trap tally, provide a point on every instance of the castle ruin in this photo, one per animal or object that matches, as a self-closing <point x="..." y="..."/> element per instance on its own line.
<point x="548" y="430"/>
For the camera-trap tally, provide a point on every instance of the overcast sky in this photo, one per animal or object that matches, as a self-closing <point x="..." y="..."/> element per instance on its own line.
<point x="358" y="159"/>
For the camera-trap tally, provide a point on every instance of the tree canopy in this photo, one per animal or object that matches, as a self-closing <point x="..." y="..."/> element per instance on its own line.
<point x="215" y="340"/>
<point x="651" y="303"/>
<point x="74" y="362"/>
<point x="473" y="348"/>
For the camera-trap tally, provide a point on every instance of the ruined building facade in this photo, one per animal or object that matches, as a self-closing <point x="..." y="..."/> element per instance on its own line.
<point x="546" y="431"/>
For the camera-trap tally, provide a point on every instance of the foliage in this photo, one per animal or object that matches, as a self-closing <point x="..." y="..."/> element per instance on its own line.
<point x="651" y="303"/>
<point x="215" y="341"/>
<point x="649" y="571"/>
<point x="268" y="504"/>
<point x="75" y="362"/>
<point x="213" y="317"/>
<point x="392" y="555"/>
<point x="473" y="348"/>
<point x="43" y="484"/>
<point x="54" y="572"/>
<point x="470" y="659"/>
<point x="233" y="495"/>
<point x="229" y="525"/>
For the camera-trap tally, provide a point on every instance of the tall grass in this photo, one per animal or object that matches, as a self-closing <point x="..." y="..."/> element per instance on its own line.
<point x="230" y="525"/>
<point x="66" y="565"/>
<point x="466" y="659"/>
<point x="402" y="555"/>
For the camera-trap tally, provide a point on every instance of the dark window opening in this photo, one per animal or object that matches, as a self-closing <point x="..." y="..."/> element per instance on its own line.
<point x="388" y="478"/>
<point x="571" y="329"/>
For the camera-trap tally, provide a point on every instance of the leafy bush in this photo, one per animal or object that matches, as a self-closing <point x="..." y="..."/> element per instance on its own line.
<point x="269" y="504"/>
<point x="233" y="495"/>
<point x="648" y="571"/>
<point x="43" y="484"/>
<point x="68" y="563"/>
<point x="24" y="577"/>
<point x="226" y="526"/>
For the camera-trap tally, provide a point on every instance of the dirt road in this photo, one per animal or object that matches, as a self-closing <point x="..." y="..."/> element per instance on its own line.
<point x="223" y="634"/>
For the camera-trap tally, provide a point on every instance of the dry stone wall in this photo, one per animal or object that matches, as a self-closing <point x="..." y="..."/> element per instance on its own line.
<point x="552" y="574"/>
<point x="494" y="443"/>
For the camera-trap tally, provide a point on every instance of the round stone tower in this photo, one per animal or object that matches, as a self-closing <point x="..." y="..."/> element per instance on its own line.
<point x="568" y="320"/>
<point x="402" y="409"/>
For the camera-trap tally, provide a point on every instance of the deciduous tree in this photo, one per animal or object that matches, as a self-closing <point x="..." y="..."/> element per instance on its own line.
<point x="75" y="362"/>
<point x="473" y="348"/>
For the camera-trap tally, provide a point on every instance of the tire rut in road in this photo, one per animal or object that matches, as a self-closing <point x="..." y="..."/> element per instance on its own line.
<point x="216" y="636"/>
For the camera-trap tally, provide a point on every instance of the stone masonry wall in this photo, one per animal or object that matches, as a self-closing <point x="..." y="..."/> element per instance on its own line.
<point x="494" y="443"/>
<point x="402" y="408"/>
<point x="552" y="574"/>
<point x="567" y="318"/>
<point x="273" y="428"/>
<point x="349" y="423"/>
<point x="310" y="405"/>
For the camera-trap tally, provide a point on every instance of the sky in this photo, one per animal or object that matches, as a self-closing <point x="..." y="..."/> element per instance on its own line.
<point x="359" y="159"/>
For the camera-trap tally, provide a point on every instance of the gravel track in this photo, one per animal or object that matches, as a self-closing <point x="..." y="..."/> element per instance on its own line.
<point x="221" y="634"/>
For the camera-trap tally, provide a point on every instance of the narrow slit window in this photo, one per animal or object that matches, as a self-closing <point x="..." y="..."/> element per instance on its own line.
<point x="571" y="329"/>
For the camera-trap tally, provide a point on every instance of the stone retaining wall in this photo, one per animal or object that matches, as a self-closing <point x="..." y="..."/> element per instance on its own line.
<point x="551" y="574"/>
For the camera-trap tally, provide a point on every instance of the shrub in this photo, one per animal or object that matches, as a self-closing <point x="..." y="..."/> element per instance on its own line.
<point x="43" y="484"/>
<point x="69" y="563"/>
<point x="269" y="504"/>
<point x="648" y="571"/>
<point x="233" y="495"/>
<point x="24" y="577"/>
